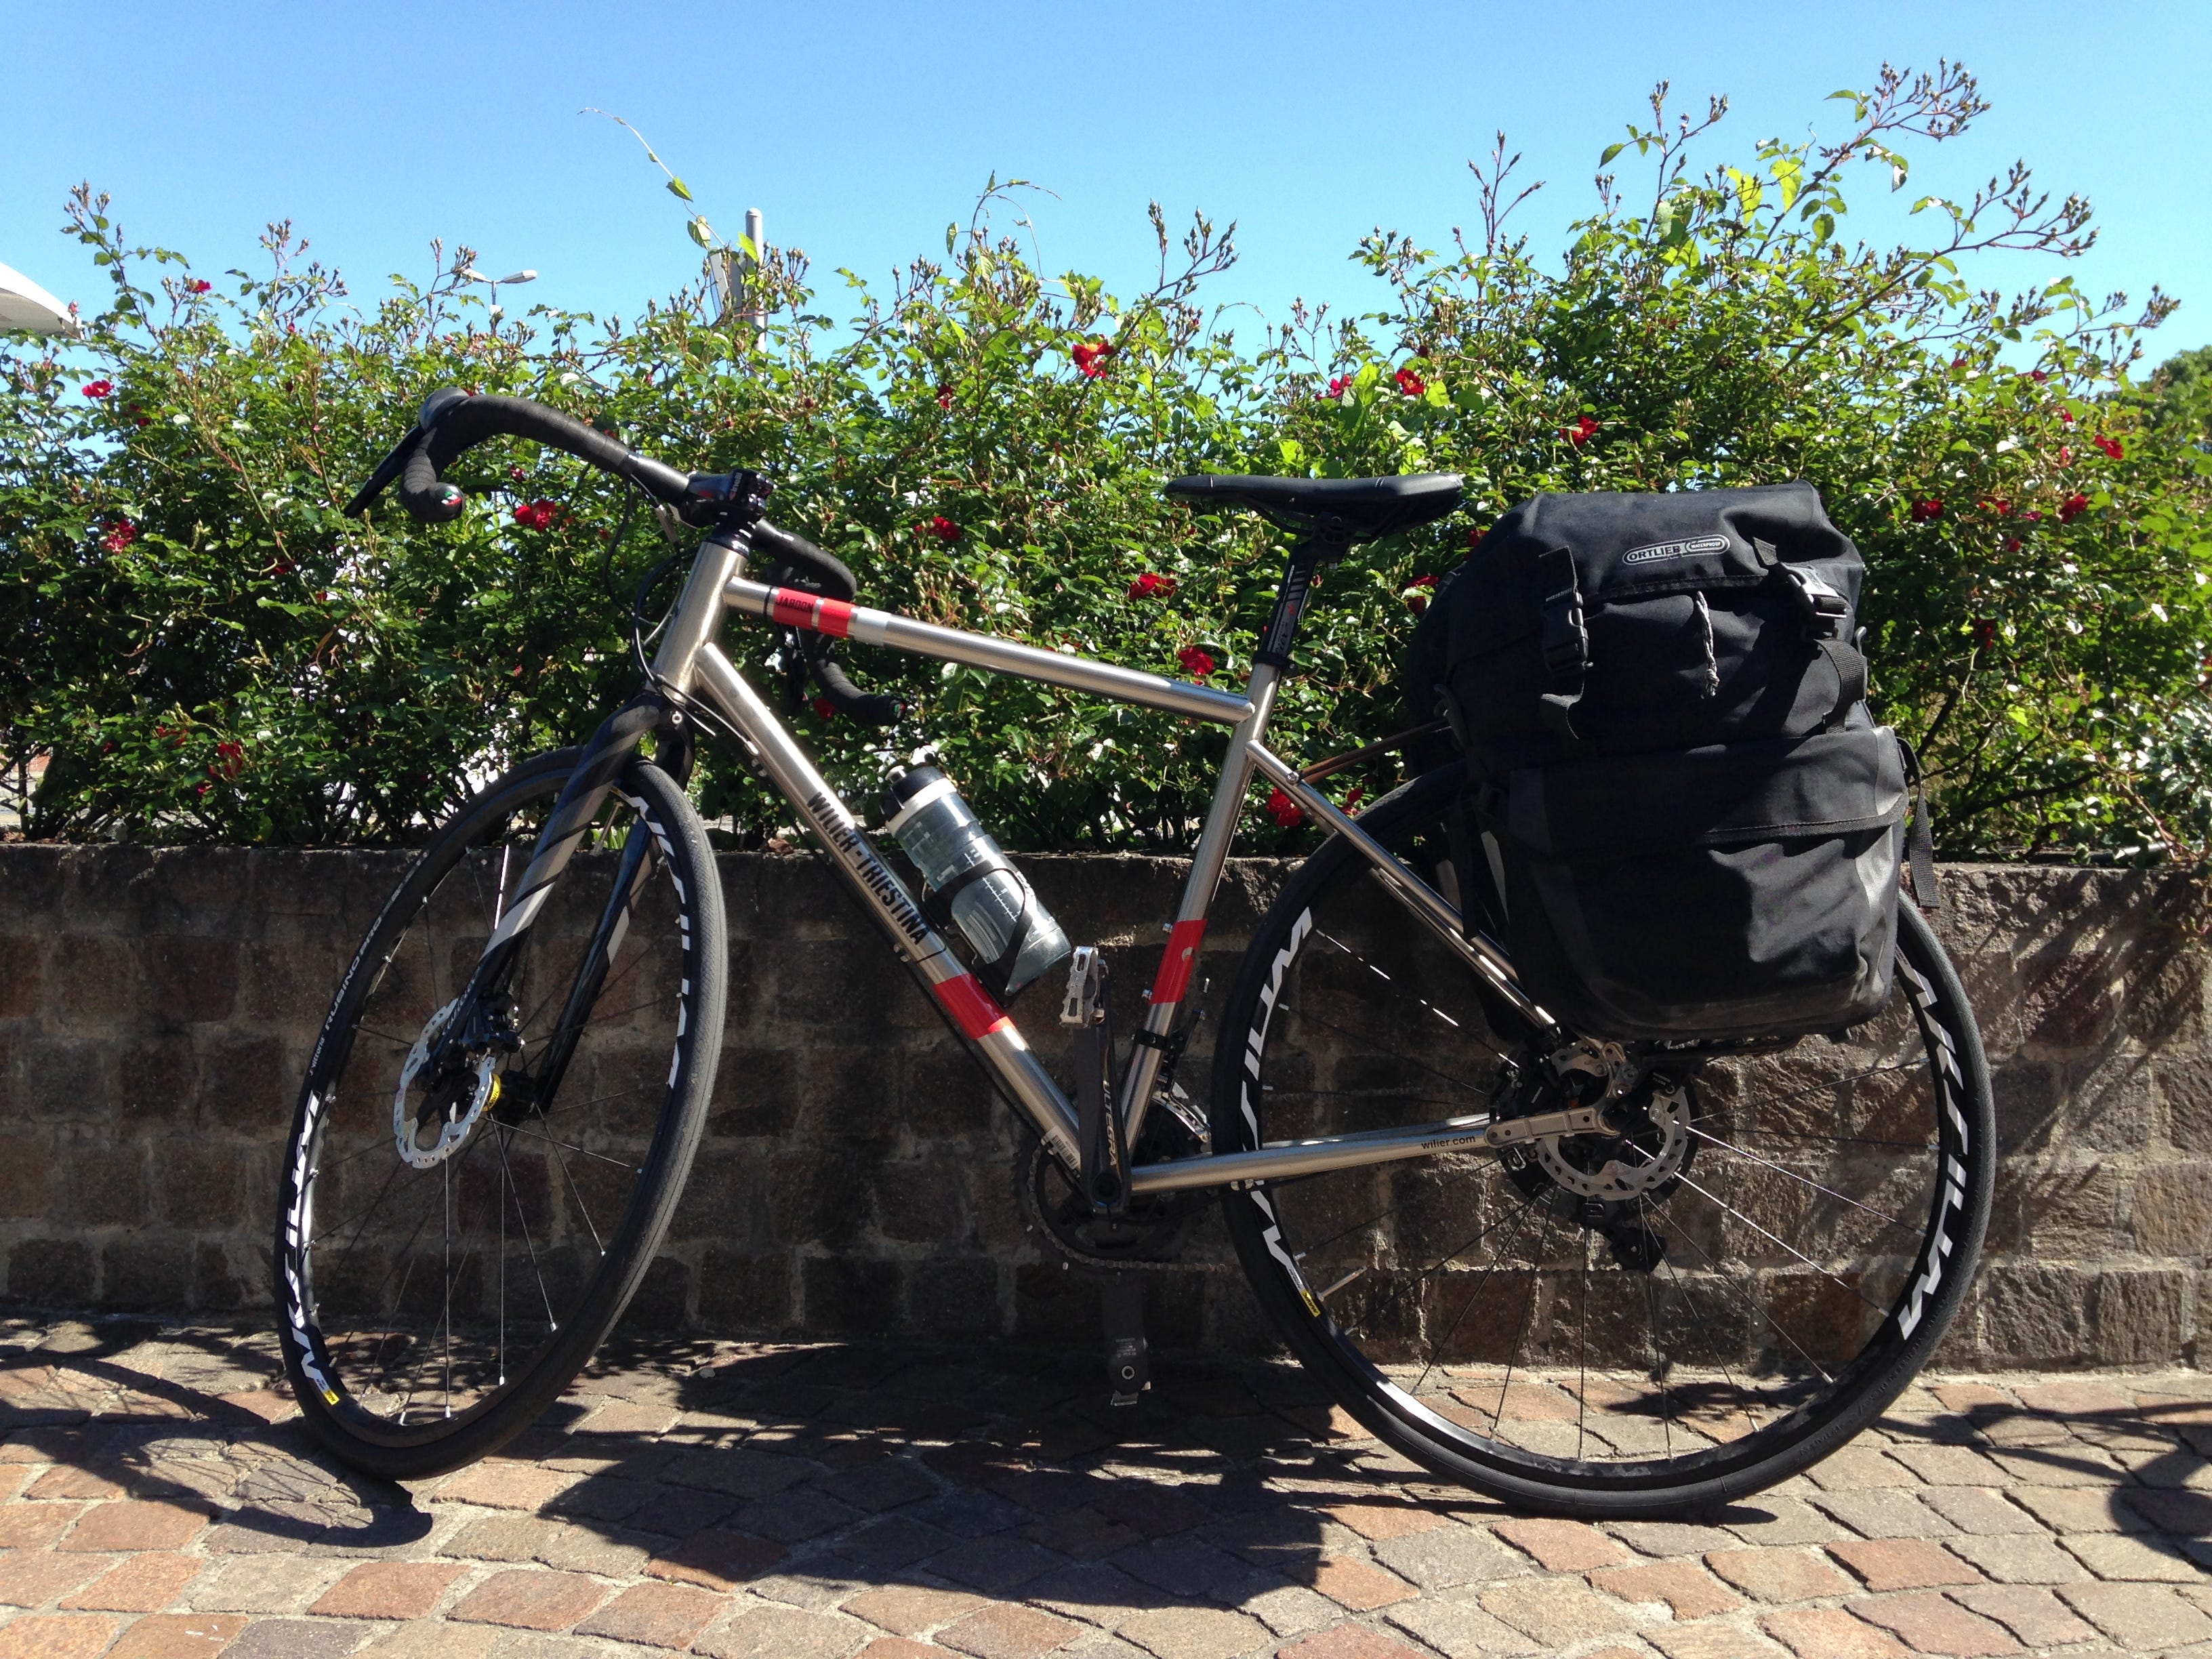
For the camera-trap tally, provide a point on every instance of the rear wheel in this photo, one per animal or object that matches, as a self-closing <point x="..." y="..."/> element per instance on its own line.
<point x="452" y="1247"/>
<point x="1641" y="1322"/>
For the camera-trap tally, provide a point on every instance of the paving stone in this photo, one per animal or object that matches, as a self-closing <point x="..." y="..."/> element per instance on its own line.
<point x="1774" y="1518"/>
<point x="716" y="1560"/>
<point x="767" y="1633"/>
<point x="656" y="1615"/>
<point x="1948" y="1466"/>
<point x="1931" y="1623"/>
<point x="530" y="1599"/>
<point x="2033" y="1614"/>
<point x="2115" y="1555"/>
<point x="1457" y="1626"/>
<point x="1556" y="1612"/>
<point x="388" y="1589"/>
<point x="135" y="1523"/>
<point x="261" y="1584"/>
<point x="1372" y="1519"/>
<point x="1684" y="1589"/>
<point x="1830" y="1633"/>
<point x="139" y="1584"/>
<point x="2015" y="1559"/>
<point x="1978" y="1511"/>
<point x="994" y="1565"/>
<point x="1455" y="1553"/>
<point x="1710" y="1640"/>
<point x="1780" y="1575"/>
<point x="1007" y="1630"/>
<point x="298" y="1638"/>
<point x="1291" y="1609"/>
<point x="1359" y="1585"/>
<point x="1900" y="1563"/>
<point x="1346" y="1642"/>
<point x="1562" y="1546"/>
<point x="57" y="1636"/>
<point x="1857" y="1466"/>
<point x="898" y="1647"/>
<point x="1885" y="1513"/>
<point x="179" y="1636"/>
<point x="911" y="1609"/>
<point x="31" y="1578"/>
<point x="2070" y="1510"/>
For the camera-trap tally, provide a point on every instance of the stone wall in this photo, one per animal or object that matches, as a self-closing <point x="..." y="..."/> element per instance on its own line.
<point x="156" y="1007"/>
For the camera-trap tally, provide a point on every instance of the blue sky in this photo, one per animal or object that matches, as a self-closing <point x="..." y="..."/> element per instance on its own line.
<point x="861" y="130"/>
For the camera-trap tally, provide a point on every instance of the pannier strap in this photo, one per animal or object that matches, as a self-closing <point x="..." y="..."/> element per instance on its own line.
<point x="1564" y="641"/>
<point x="1827" y="612"/>
<point x="1919" y="836"/>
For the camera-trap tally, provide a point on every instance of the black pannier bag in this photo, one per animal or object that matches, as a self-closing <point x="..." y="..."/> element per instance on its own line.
<point x="1693" y="822"/>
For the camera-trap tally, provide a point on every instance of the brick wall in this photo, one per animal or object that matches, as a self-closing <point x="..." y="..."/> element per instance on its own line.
<point x="156" y="1006"/>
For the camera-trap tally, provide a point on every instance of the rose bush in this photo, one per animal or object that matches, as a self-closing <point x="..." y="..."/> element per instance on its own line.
<point x="208" y="649"/>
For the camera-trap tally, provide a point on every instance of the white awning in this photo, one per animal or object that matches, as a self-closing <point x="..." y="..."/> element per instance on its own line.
<point x="24" y="304"/>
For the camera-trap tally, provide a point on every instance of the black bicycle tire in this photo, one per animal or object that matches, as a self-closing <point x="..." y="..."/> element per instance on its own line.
<point x="1435" y="1443"/>
<point x="356" y="1437"/>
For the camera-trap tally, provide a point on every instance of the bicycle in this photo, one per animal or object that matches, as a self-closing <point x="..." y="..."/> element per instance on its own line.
<point x="1587" y="1278"/>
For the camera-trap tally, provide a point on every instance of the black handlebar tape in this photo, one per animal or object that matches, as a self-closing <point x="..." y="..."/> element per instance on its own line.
<point x="457" y="424"/>
<point x="825" y="569"/>
<point x="869" y="708"/>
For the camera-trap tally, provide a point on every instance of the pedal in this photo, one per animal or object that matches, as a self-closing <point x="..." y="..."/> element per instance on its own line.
<point x="1122" y="1303"/>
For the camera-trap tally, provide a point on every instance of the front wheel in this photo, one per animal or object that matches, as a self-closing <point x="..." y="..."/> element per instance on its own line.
<point x="1639" y="1323"/>
<point x="452" y="1244"/>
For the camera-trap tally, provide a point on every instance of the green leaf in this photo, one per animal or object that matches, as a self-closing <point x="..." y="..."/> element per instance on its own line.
<point x="1605" y="159"/>
<point x="702" y="231"/>
<point x="675" y="187"/>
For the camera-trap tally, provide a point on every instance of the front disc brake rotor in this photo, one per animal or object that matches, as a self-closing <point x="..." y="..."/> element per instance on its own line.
<point x="433" y="1128"/>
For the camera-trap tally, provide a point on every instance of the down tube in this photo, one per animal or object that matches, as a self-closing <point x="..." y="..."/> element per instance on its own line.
<point x="970" y="1007"/>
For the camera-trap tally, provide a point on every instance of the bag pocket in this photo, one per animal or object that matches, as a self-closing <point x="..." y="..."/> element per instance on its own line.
<point x="1740" y="890"/>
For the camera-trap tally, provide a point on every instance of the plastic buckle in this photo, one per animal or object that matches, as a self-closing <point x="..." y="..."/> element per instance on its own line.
<point x="1565" y="640"/>
<point x="1825" y="608"/>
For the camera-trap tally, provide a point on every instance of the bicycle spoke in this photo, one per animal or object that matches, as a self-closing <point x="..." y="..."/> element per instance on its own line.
<point x="1830" y="1191"/>
<point x="1785" y="1244"/>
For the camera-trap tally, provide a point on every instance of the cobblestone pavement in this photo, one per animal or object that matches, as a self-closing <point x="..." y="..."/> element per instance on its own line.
<point x="819" y="1501"/>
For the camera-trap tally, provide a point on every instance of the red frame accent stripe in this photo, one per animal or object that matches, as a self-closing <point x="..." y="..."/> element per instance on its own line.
<point x="1176" y="966"/>
<point x="971" y="1006"/>
<point x="792" y="609"/>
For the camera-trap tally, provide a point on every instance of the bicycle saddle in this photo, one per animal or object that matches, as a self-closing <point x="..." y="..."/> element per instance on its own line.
<point x="1357" y="509"/>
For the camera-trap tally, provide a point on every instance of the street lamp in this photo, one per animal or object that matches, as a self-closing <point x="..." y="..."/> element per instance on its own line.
<point x="24" y="304"/>
<point x="515" y="279"/>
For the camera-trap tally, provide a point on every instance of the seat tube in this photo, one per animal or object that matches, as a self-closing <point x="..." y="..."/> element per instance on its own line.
<point x="1181" y="959"/>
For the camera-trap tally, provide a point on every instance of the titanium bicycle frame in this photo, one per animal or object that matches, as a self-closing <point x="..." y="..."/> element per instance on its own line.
<point x="690" y="666"/>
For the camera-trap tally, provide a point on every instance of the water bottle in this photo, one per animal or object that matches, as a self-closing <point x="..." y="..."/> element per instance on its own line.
<point x="967" y="873"/>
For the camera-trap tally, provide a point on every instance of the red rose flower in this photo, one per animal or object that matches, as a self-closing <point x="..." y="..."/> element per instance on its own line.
<point x="1997" y="504"/>
<point x="2038" y="376"/>
<point x="944" y="397"/>
<point x="515" y="474"/>
<point x="2112" y="446"/>
<point x="1474" y="535"/>
<point x="1284" y="809"/>
<point x="120" y="536"/>
<point x="1091" y="358"/>
<point x="2065" y="455"/>
<point x="939" y="526"/>
<point x="1195" y="663"/>
<point x="825" y="709"/>
<point x="1410" y="383"/>
<point x="2012" y="544"/>
<point x="1581" y="432"/>
<point x="99" y="388"/>
<point x="2067" y="415"/>
<point x="199" y="285"/>
<point x="229" y="760"/>
<point x="1924" y="512"/>
<point x="1985" y="633"/>
<point x="1339" y="385"/>
<point x="537" y="515"/>
<point x="2034" y="517"/>
<point x="2072" y="507"/>
<point x="1417" y="601"/>
<point x="1150" y="583"/>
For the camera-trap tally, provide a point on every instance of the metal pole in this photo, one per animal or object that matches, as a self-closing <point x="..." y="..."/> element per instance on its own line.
<point x="757" y="232"/>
